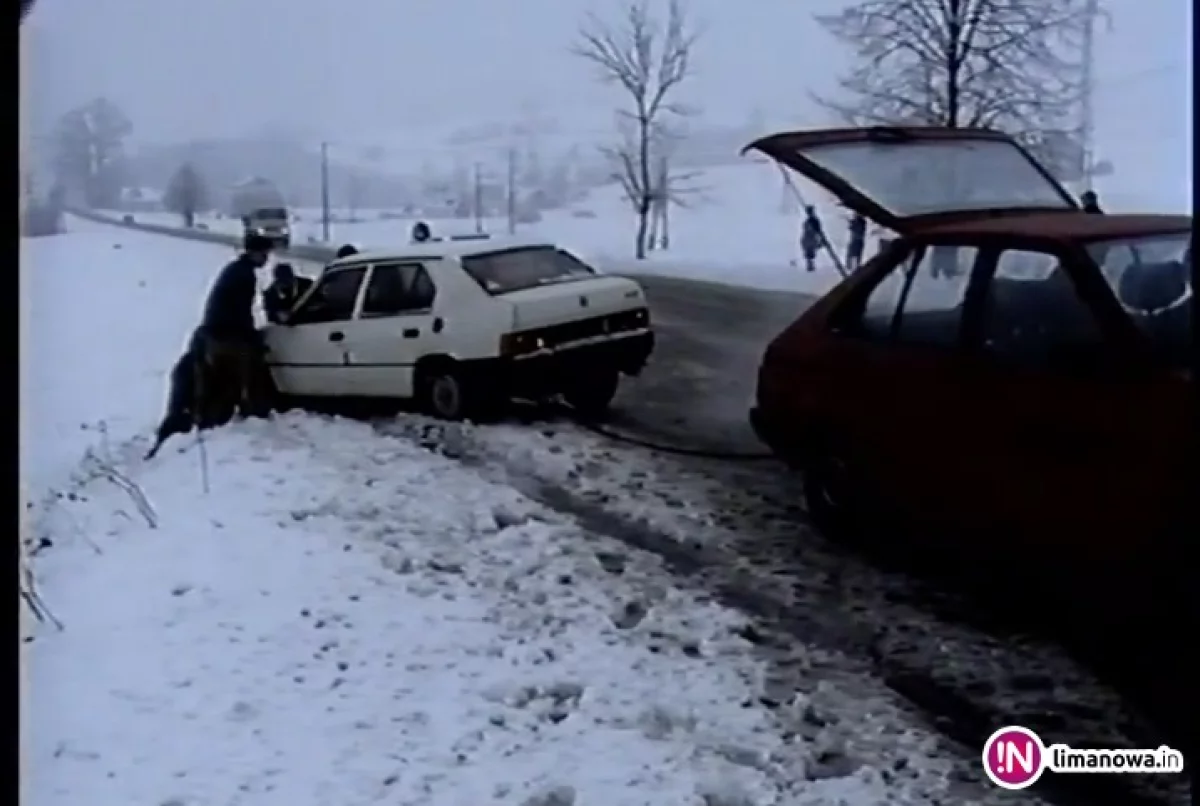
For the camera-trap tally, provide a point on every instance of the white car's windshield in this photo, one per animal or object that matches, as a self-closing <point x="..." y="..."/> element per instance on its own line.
<point x="527" y="267"/>
<point x="1151" y="278"/>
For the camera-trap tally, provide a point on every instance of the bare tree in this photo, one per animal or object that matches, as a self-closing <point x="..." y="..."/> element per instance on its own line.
<point x="186" y="194"/>
<point x="648" y="57"/>
<point x="1010" y="65"/>
<point x="672" y="188"/>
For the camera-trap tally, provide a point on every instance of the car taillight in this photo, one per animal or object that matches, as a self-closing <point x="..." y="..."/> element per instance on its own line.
<point x="630" y="320"/>
<point x="513" y="344"/>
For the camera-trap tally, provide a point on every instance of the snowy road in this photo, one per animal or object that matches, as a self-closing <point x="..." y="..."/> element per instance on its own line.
<point x="823" y="640"/>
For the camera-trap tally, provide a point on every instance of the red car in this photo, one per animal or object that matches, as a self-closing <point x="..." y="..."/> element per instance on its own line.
<point x="1010" y="374"/>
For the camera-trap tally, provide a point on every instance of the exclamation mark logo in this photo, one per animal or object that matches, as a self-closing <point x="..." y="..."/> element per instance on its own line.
<point x="1013" y="757"/>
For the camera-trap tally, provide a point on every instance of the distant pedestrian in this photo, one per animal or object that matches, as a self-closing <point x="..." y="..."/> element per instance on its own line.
<point x="1091" y="202"/>
<point x="812" y="237"/>
<point x="856" y="243"/>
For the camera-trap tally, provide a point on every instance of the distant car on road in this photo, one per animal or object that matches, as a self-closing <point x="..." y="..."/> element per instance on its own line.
<point x="462" y="326"/>
<point x="261" y="208"/>
<point x="1008" y="368"/>
<point x="271" y="222"/>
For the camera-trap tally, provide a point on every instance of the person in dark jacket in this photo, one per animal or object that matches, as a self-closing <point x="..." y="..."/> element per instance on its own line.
<point x="283" y="293"/>
<point x="231" y="346"/>
<point x="856" y="243"/>
<point x="181" y="396"/>
<point x="812" y="237"/>
<point x="1091" y="202"/>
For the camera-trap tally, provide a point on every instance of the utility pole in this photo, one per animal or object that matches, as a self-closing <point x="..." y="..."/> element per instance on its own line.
<point x="511" y="200"/>
<point x="478" y="199"/>
<point x="325" y="192"/>
<point x="352" y="198"/>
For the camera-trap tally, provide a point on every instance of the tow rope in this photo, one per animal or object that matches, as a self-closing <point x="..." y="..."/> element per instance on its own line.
<point x="675" y="450"/>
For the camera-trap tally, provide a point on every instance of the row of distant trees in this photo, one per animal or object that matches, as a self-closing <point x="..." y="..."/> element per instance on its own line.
<point x="1011" y="65"/>
<point x="90" y="161"/>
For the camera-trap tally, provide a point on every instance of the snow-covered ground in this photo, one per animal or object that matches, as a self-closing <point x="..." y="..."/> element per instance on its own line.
<point x="343" y="617"/>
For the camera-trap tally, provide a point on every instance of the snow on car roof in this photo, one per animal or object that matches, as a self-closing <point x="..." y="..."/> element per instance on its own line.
<point x="439" y="249"/>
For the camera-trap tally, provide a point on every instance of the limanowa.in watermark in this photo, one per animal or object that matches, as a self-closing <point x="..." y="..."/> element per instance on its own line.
<point x="1015" y="757"/>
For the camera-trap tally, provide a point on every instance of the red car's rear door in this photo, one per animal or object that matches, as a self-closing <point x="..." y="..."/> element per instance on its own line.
<point x="907" y="411"/>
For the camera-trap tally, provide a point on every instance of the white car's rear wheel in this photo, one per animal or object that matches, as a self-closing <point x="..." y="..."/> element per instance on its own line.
<point x="592" y="394"/>
<point x="448" y="394"/>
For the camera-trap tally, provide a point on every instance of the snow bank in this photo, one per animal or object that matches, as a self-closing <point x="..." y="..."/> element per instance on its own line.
<point x="344" y="619"/>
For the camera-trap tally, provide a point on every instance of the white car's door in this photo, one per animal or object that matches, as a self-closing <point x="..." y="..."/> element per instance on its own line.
<point x="395" y="327"/>
<point x="312" y="355"/>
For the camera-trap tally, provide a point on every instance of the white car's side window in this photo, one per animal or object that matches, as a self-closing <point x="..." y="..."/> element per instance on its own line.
<point x="333" y="298"/>
<point x="398" y="288"/>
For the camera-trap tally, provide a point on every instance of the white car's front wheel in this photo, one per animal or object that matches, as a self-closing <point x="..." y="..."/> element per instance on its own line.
<point x="445" y="396"/>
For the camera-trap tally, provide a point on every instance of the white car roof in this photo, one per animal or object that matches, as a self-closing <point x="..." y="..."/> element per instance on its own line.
<point x="440" y="249"/>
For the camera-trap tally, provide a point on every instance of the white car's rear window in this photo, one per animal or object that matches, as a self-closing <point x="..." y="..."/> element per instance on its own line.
<point x="527" y="267"/>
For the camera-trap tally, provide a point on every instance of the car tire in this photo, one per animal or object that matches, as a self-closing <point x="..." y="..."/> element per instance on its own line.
<point x="448" y="394"/>
<point x="833" y="491"/>
<point x="591" y="395"/>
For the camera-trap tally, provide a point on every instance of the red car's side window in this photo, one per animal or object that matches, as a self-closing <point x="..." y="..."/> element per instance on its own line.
<point x="920" y="302"/>
<point x="1034" y="315"/>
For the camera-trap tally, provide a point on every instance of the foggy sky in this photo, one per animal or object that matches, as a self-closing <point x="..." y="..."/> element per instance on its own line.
<point x="185" y="68"/>
<point x="367" y="70"/>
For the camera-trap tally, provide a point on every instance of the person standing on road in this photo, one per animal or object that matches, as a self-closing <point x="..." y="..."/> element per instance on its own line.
<point x="857" y="242"/>
<point x="812" y="237"/>
<point x="231" y="346"/>
<point x="1091" y="202"/>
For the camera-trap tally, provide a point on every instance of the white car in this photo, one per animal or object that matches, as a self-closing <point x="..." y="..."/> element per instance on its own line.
<point x="463" y="327"/>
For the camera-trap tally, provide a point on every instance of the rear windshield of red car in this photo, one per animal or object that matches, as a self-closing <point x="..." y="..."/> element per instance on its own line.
<point x="1151" y="278"/>
<point x="528" y="267"/>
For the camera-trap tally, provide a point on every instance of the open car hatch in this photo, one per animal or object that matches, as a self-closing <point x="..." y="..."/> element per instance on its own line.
<point x="902" y="177"/>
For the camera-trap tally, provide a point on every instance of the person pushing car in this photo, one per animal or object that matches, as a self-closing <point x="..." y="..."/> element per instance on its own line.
<point x="181" y="415"/>
<point x="283" y="293"/>
<point x="230" y="344"/>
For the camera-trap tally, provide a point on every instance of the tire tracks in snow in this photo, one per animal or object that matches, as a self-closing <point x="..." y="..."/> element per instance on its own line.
<point x="759" y="557"/>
